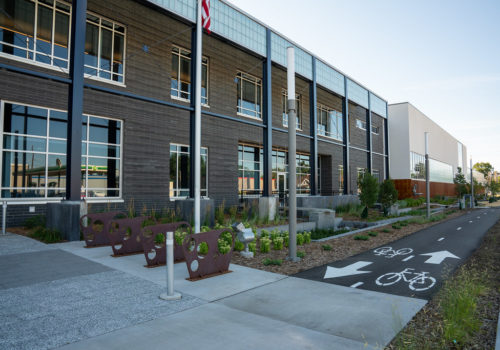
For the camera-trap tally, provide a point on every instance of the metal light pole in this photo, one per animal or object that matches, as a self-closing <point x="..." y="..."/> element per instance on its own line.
<point x="170" y="294"/>
<point x="427" y="175"/>
<point x="471" y="186"/>
<point x="197" y="127"/>
<point x="292" y="170"/>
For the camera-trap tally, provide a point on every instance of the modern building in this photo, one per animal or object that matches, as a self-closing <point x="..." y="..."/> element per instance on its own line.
<point x="407" y="127"/>
<point x="138" y="110"/>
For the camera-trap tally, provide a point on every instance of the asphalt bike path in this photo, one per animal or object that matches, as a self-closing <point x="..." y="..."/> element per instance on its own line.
<point x="413" y="266"/>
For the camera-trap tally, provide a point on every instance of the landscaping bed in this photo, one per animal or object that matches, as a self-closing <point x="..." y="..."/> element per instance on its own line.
<point x="464" y="313"/>
<point x="316" y="253"/>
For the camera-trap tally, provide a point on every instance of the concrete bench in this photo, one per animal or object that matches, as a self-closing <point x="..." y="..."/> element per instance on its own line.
<point x="323" y="217"/>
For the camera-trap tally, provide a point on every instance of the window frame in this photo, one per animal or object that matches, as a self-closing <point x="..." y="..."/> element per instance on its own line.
<point x="240" y="76"/>
<point x="284" y="103"/>
<point x="179" y="91"/>
<point x="47" y="138"/>
<point x="172" y="198"/>
<point x="34" y="51"/>
<point x="362" y="125"/>
<point x="242" y="190"/>
<point x="338" y="115"/>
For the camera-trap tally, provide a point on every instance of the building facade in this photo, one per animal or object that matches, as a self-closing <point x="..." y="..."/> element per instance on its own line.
<point x="138" y="110"/>
<point x="407" y="127"/>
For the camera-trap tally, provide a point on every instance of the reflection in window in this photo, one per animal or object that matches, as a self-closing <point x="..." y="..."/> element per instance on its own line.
<point x="180" y="82"/>
<point x="249" y="95"/>
<point x="34" y="154"/>
<point x="298" y="106"/>
<point x="180" y="171"/>
<point x="36" y="30"/>
<point x="330" y="123"/>
<point x="104" y="49"/>
<point x="250" y="172"/>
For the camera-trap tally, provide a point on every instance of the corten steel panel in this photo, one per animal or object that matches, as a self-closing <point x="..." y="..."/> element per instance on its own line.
<point x="95" y="227"/>
<point x="357" y="135"/>
<point x="405" y="188"/>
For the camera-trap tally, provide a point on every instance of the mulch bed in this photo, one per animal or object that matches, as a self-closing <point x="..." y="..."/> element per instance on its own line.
<point x="342" y="248"/>
<point x="424" y="330"/>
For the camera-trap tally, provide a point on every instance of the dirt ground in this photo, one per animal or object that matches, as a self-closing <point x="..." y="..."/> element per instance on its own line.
<point x="342" y="248"/>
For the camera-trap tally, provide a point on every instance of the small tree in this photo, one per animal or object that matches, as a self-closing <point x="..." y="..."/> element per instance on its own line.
<point x="388" y="195"/>
<point x="494" y="188"/>
<point x="460" y="183"/>
<point x="368" y="185"/>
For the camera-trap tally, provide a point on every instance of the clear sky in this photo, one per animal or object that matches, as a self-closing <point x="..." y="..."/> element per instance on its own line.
<point x="442" y="56"/>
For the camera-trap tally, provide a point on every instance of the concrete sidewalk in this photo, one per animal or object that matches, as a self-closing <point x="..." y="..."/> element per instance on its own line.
<point x="95" y="301"/>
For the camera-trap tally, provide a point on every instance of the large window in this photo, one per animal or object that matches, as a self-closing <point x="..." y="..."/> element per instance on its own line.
<point x="438" y="171"/>
<point x="250" y="173"/>
<point x="298" y="106"/>
<point x="180" y="82"/>
<point x="36" y="30"/>
<point x="280" y="172"/>
<point x="249" y="92"/>
<point x="104" y="49"/>
<point x="180" y="165"/>
<point x="330" y="123"/>
<point x="303" y="174"/>
<point x="417" y="166"/>
<point x="362" y="125"/>
<point x="34" y="153"/>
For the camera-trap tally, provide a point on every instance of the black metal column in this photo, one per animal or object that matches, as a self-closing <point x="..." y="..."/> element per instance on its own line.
<point x="313" y="98"/>
<point x="386" y="133"/>
<point x="369" y="134"/>
<point x="192" y="123"/>
<point x="268" y="120"/>
<point x="75" y="101"/>
<point x="345" y="122"/>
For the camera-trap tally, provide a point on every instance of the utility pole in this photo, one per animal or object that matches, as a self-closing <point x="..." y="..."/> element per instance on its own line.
<point x="427" y="175"/>
<point x="197" y="127"/>
<point x="471" y="186"/>
<point x="292" y="150"/>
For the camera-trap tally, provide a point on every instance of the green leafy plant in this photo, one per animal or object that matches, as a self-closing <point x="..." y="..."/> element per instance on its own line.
<point x="223" y="246"/>
<point x="219" y="213"/>
<point x="300" y="239"/>
<point x="361" y="238"/>
<point x="388" y="195"/>
<point x="301" y="254"/>
<point x="239" y="246"/>
<point x="47" y="235"/>
<point x="233" y="210"/>
<point x="368" y="185"/>
<point x="252" y="247"/>
<point x="396" y="227"/>
<point x="323" y="233"/>
<point x="386" y="230"/>
<point x="179" y="236"/>
<point x="265" y="245"/>
<point x="307" y="237"/>
<point x="35" y="221"/>
<point x="373" y="234"/>
<point x="203" y="248"/>
<point x="286" y="240"/>
<point x="278" y="243"/>
<point x="205" y="228"/>
<point x="326" y="247"/>
<point x="268" y="261"/>
<point x="264" y="233"/>
<point x="160" y="238"/>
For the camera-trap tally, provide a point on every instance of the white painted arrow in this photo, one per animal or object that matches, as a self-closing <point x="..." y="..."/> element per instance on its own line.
<point x="333" y="272"/>
<point x="438" y="257"/>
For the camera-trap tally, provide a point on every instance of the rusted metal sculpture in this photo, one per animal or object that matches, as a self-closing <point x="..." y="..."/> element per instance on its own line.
<point x="154" y="248"/>
<point x="95" y="227"/>
<point x="213" y="261"/>
<point x="125" y="235"/>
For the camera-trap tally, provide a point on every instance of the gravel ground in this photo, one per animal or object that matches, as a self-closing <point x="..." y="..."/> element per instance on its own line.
<point x="342" y="248"/>
<point x="425" y="329"/>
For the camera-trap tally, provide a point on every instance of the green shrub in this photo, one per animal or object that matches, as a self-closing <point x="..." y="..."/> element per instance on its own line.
<point x="373" y="234"/>
<point x="205" y="228"/>
<point x="265" y="245"/>
<point x="203" y="248"/>
<point x="264" y="233"/>
<point x="323" y="233"/>
<point x="252" y="247"/>
<point x="179" y="236"/>
<point x="307" y="237"/>
<point x="361" y="238"/>
<point x="326" y="247"/>
<point x="301" y="254"/>
<point x="414" y="202"/>
<point x="148" y="222"/>
<point x="388" y="195"/>
<point x="232" y="212"/>
<point x="396" y="226"/>
<point x="300" y="239"/>
<point x="278" y="243"/>
<point x="368" y="185"/>
<point x="223" y="246"/>
<point x="268" y="261"/>
<point x="228" y="237"/>
<point x="286" y="240"/>
<point x="386" y="230"/>
<point x="35" y="221"/>
<point x="219" y="213"/>
<point x="274" y="233"/>
<point x="160" y="238"/>
<point x="403" y="223"/>
<point x="47" y="235"/>
<point x="239" y="246"/>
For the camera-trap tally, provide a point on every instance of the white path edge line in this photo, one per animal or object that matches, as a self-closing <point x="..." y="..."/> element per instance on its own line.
<point x="439" y="240"/>
<point x="356" y="285"/>
<point x="479" y="217"/>
<point x="470" y="221"/>
<point x="408" y="258"/>
<point x="459" y="228"/>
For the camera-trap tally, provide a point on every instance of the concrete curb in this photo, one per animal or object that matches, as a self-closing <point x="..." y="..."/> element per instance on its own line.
<point x="497" y="344"/>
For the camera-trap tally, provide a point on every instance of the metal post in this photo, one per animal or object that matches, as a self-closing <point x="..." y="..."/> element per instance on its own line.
<point x="313" y="161"/>
<point x="292" y="171"/>
<point x="386" y="143"/>
<point x="170" y="295"/>
<point x="75" y="101"/>
<point x="4" y="218"/>
<point x="197" y="126"/>
<point x="345" y="125"/>
<point x="369" y="134"/>
<point x="427" y="174"/>
<point x="268" y="120"/>
<point x="471" y="186"/>
<point x="192" y="118"/>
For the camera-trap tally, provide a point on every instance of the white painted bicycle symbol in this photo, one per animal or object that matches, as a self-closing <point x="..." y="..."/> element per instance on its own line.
<point x="390" y="253"/>
<point x="419" y="282"/>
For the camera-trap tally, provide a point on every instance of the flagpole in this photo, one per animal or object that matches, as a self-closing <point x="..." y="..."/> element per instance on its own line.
<point x="197" y="123"/>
